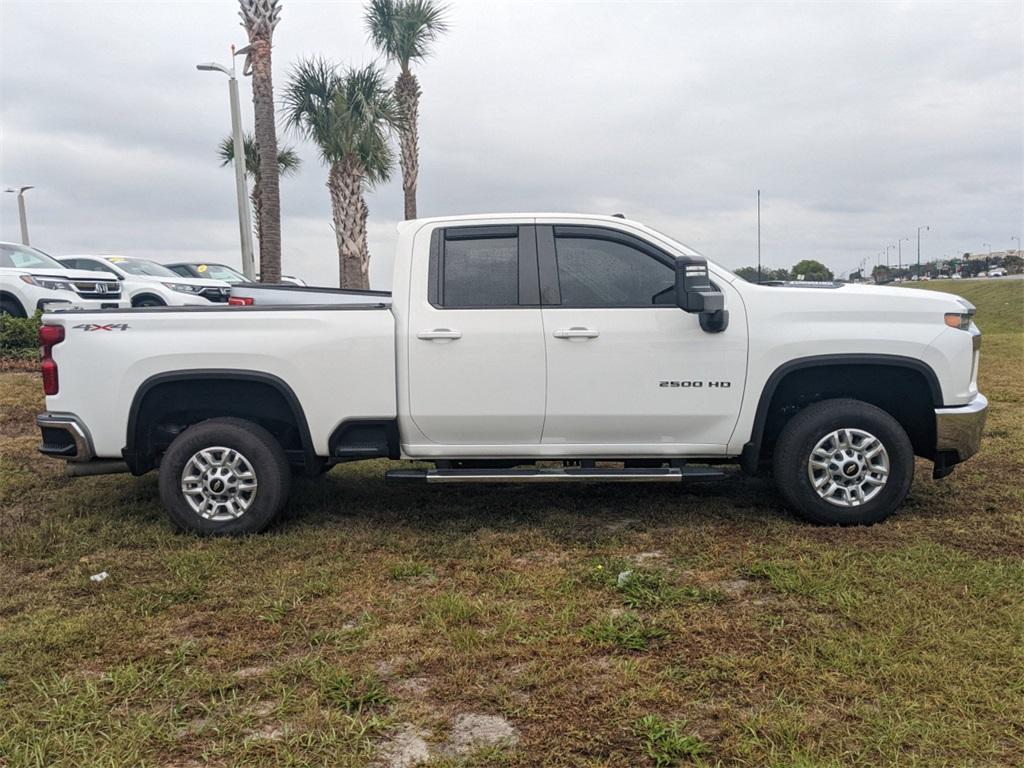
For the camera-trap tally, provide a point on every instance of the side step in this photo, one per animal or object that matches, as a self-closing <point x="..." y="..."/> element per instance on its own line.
<point x="568" y="474"/>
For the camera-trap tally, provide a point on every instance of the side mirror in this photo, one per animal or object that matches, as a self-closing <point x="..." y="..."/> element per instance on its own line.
<point x="696" y="295"/>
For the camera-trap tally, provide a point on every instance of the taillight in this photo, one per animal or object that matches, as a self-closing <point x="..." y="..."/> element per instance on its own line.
<point x="239" y="301"/>
<point x="49" y="335"/>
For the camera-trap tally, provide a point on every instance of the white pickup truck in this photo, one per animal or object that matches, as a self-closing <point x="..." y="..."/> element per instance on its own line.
<point x="523" y="348"/>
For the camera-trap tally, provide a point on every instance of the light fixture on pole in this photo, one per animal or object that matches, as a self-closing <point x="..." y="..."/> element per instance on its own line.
<point x="244" y="220"/>
<point x="22" y="215"/>
<point x="926" y="228"/>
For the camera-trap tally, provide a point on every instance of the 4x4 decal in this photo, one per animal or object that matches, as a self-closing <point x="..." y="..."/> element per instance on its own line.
<point x="108" y="327"/>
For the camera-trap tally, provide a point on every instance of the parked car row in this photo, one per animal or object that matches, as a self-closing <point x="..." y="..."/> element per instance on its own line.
<point x="30" y="279"/>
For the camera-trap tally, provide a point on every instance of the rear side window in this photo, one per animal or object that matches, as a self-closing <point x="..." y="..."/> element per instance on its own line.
<point x="481" y="273"/>
<point x="598" y="272"/>
<point x="483" y="267"/>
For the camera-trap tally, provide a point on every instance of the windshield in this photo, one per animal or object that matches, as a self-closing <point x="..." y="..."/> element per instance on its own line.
<point x="141" y="267"/>
<point x="23" y="257"/>
<point x="220" y="272"/>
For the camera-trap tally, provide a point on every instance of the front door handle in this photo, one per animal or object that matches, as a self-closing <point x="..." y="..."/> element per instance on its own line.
<point x="439" y="334"/>
<point x="576" y="332"/>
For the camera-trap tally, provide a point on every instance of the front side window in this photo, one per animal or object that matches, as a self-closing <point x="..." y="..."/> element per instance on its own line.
<point x="480" y="272"/>
<point x="594" y="272"/>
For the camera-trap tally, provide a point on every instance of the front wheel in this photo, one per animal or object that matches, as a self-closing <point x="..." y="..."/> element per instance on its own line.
<point x="224" y="477"/>
<point x="844" y="462"/>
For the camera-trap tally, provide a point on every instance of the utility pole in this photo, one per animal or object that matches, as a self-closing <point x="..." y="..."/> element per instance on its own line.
<point x="759" y="236"/>
<point x="244" y="221"/>
<point x="899" y="256"/>
<point x="925" y="227"/>
<point x="22" y="215"/>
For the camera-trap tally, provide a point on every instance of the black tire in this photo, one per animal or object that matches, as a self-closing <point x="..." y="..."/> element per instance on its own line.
<point x="804" y="431"/>
<point x="148" y="301"/>
<point x="12" y="307"/>
<point x="257" y="447"/>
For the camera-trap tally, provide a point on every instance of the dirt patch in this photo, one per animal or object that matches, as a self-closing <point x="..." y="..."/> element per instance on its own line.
<point x="472" y="732"/>
<point x="406" y="748"/>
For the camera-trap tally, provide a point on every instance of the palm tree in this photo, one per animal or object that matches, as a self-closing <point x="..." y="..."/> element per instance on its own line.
<point x="287" y="165"/>
<point x="403" y="30"/>
<point x="259" y="17"/>
<point x="350" y="117"/>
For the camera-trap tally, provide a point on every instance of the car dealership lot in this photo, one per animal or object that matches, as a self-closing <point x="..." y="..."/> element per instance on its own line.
<point x="370" y="612"/>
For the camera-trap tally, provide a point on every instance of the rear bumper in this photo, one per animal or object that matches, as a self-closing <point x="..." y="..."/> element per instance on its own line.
<point x="958" y="433"/>
<point x="64" y="437"/>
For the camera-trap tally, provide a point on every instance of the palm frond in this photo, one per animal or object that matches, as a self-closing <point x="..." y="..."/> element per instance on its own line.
<point x="347" y="115"/>
<point x="404" y="30"/>
<point x="288" y="161"/>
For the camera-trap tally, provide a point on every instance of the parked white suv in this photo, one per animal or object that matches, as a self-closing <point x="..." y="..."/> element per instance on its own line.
<point x="30" y="279"/>
<point x="146" y="283"/>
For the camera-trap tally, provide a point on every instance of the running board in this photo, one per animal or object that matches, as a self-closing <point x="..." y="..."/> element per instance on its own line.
<point x="568" y="474"/>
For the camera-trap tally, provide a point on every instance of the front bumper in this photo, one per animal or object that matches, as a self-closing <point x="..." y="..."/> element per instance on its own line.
<point x="958" y="433"/>
<point x="51" y="305"/>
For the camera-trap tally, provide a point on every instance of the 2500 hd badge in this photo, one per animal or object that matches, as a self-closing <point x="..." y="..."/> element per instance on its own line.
<point x="695" y="384"/>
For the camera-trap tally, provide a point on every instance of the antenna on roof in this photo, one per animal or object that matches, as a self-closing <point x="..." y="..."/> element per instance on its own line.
<point x="618" y="215"/>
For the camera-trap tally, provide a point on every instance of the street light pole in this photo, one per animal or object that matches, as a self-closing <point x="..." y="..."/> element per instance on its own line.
<point x="1014" y="237"/>
<point x="989" y="245"/>
<point x="926" y="228"/>
<point x="244" y="221"/>
<point x="899" y="256"/>
<point x="759" y="236"/>
<point x="22" y="214"/>
<point x="887" y="255"/>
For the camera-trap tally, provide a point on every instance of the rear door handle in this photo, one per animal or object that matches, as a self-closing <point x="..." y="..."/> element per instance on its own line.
<point x="576" y="332"/>
<point x="439" y="333"/>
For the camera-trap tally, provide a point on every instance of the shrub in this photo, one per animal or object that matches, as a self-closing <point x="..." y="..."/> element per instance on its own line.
<point x="19" y="335"/>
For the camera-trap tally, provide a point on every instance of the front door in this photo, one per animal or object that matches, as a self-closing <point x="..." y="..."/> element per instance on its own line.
<point x="476" y="343"/>
<point x="626" y="367"/>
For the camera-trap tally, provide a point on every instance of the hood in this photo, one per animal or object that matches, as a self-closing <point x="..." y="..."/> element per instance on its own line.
<point x="179" y="280"/>
<point x="851" y="302"/>
<point x="72" y="274"/>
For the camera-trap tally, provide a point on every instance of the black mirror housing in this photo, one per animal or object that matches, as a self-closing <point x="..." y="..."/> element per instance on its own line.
<point x="695" y="294"/>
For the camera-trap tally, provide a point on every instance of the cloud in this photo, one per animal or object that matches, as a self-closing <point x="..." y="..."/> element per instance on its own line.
<point x="858" y="121"/>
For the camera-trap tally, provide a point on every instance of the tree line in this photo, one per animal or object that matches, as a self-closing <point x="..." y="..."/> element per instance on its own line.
<point x="352" y="115"/>
<point x="808" y="269"/>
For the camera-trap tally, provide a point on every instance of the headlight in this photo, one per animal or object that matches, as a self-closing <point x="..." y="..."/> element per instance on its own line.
<point x="50" y="283"/>
<point x="960" y="320"/>
<point x="182" y="288"/>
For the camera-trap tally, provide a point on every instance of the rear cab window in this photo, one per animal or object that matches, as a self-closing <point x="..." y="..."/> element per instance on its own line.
<point x="485" y="267"/>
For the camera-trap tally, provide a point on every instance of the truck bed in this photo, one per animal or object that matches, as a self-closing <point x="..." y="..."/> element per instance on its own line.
<point x="337" y="359"/>
<point x="264" y="294"/>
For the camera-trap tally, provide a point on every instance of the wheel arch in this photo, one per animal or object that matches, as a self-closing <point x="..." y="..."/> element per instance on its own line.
<point x="845" y="375"/>
<point x="171" y="400"/>
<point x="147" y="294"/>
<point x="8" y="296"/>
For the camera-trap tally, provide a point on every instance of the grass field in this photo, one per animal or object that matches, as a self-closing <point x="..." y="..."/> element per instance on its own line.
<point x="489" y="625"/>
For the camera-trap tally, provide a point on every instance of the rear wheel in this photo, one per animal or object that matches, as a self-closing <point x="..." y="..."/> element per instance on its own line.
<point x="224" y="477"/>
<point x="844" y="462"/>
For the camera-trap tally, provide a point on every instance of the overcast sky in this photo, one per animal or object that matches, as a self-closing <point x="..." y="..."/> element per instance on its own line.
<point x="858" y="121"/>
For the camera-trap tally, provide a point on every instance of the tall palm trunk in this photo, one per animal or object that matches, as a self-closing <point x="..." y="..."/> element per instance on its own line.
<point x="257" y="213"/>
<point x="348" y="212"/>
<point x="407" y="94"/>
<point x="266" y="143"/>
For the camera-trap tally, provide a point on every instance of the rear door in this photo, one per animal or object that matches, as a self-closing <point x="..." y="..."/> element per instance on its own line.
<point x="627" y="367"/>
<point x="476" y="342"/>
